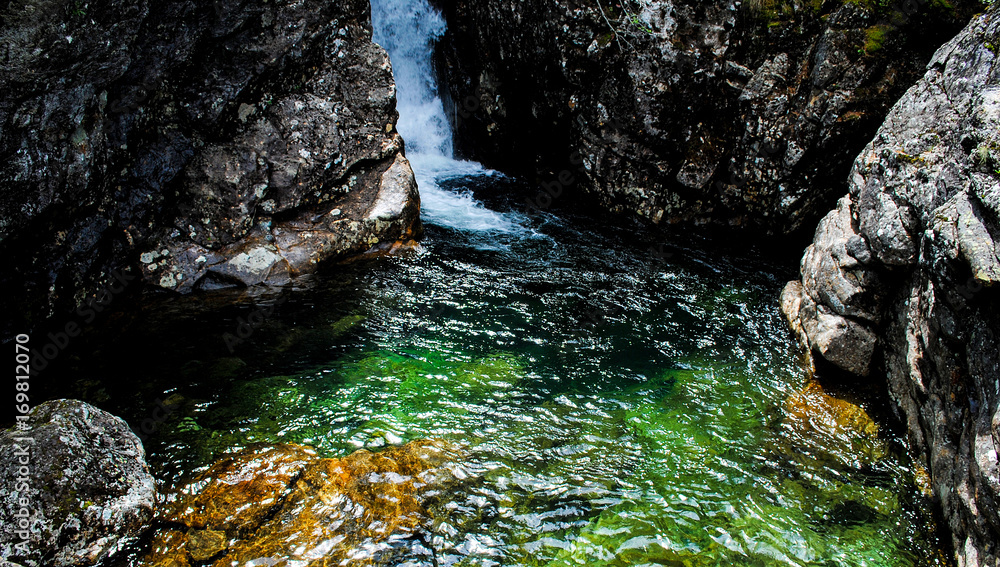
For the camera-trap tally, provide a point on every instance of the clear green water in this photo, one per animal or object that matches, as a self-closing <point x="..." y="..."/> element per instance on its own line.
<point x="616" y="406"/>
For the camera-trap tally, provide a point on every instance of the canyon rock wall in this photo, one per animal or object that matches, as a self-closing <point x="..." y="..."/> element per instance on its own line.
<point x="901" y="279"/>
<point x="199" y="144"/>
<point x="739" y="114"/>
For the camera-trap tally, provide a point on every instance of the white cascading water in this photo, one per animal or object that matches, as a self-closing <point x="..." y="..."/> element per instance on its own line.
<point x="407" y="29"/>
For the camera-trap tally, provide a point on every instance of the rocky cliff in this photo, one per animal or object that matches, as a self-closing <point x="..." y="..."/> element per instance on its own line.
<point x="901" y="279"/>
<point x="200" y="144"/>
<point x="737" y="113"/>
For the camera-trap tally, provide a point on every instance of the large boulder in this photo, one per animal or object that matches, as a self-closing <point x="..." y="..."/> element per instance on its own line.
<point x="200" y="144"/>
<point x="901" y="279"/>
<point x="75" y="487"/>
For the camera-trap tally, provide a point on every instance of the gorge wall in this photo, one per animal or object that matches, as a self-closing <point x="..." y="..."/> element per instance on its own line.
<point x="746" y="114"/>
<point x="237" y="143"/>
<point x="901" y="279"/>
<point x="199" y="144"/>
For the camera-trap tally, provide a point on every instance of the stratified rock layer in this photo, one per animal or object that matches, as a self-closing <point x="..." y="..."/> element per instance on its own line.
<point x="902" y="279"/>
<point x="80" y="474"/>
<point x="209" y="144"/>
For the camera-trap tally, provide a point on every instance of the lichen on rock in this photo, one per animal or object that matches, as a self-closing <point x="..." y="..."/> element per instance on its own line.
<point x="88" y="491"/>
<point x="206" y="145"/>
<point x="909" y="263"/>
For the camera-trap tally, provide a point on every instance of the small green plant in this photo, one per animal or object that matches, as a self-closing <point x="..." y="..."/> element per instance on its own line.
<point x="639" y="25"/>
<point x="188" y="424"/>
<point x="991" y="42"/>
<point x="981" y="155"/>
<point x="875" y="38"/>
<point x="986" y="157"/>
<point x="943" y="5"/>
<point x="624" y="22"/>
<point x="78" y="10"/>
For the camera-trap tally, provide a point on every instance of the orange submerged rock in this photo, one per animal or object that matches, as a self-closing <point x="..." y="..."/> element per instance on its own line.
<point x="815" y="419"/>
<point x="281" y="504"/>
<point x="241" y="490"/>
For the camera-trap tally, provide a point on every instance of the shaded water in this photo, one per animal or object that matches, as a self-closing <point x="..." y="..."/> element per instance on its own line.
<point x="617" y="400"/>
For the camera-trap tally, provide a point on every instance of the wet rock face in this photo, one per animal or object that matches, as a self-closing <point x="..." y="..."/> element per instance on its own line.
<point x="902" y="279"/>
<point x="380" y="210"/>
<point x="206" y="144"/>
<point x="87" y="493"/>
<point x="269" y="505"/>
<point x="746" y="114"/>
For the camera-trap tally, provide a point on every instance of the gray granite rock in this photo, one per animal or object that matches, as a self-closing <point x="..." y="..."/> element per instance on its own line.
<point x="85" y="491"/>
<point x="191" y="142"/>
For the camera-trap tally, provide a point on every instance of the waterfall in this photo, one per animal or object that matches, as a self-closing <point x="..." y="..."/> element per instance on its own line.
<point x="407" y="29"/>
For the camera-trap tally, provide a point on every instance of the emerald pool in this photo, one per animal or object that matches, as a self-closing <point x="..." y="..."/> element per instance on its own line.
<point x="618" y="399"/>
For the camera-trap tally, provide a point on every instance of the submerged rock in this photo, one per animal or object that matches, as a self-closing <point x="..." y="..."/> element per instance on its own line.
<point x="83" y="484"/>
<point x="902" y="279"/>
<point x="816" y="420"/>
<point x="239" y="491"/>
<point x="281" y="503"/>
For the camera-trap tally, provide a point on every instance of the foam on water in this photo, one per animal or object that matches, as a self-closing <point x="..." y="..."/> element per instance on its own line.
<point x="407" y="29"/>
<point x="459" y="211"/>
